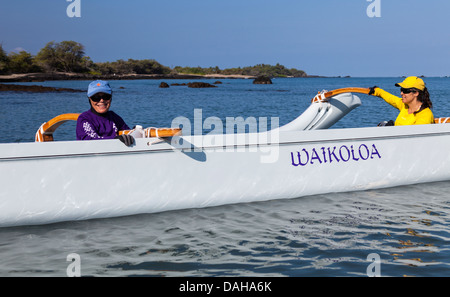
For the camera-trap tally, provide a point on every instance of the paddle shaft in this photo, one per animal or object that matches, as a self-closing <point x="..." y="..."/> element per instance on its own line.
<point x="324" y="96"/>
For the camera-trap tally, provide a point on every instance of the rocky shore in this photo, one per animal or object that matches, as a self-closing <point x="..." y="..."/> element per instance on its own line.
<point x="262" y="80"/>
<point x="38" y="89"/>
<point x="39" y="77"/>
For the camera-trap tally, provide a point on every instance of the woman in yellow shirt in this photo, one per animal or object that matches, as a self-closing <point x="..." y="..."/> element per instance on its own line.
<point x="414" y="105"/>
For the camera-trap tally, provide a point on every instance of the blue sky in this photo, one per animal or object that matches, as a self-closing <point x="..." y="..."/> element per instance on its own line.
<point x="321" y="37"/>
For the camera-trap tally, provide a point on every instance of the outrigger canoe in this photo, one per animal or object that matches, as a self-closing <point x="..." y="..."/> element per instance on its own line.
<point x="49" y="181"/>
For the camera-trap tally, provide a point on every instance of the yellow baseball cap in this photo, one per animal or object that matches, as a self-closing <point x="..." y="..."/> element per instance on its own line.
<point x="412" y="82"/>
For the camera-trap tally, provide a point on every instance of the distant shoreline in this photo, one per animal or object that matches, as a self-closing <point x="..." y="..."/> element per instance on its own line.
<point x="40" y="77"/>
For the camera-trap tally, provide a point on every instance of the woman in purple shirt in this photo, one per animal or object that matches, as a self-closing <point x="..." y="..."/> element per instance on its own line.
<point x="99" y="122"/>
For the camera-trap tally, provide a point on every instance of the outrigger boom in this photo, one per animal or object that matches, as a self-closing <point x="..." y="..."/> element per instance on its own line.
<point x="45" y="132"/>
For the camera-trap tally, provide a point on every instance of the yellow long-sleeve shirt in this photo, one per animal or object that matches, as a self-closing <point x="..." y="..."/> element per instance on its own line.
<point x="425" y="116"/>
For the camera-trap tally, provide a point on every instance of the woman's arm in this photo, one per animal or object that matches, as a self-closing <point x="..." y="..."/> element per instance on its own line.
<point x="389" y="98"/>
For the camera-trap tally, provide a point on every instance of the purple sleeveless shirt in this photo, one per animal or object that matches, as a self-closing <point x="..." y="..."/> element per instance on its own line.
<point x="94" y="126"/>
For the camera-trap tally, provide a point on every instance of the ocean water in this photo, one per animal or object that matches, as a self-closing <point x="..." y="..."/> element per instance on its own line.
<point x="405" y="228"/>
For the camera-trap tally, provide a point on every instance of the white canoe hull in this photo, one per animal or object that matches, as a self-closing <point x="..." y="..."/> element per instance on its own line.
<point x="62" y="181"/>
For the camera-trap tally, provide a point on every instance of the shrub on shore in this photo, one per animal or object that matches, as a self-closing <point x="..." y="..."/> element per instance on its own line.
<point x="69" y="56"/>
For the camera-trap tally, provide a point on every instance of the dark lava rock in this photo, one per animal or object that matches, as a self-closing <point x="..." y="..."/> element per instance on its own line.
<point x="262" y="80"/>
<point x="200" y="85"/>
<point x="38" y="89"/>
<point x="163" y="85"/>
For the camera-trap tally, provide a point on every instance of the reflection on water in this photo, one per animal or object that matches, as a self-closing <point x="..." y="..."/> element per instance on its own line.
<point x="323" y="235"/>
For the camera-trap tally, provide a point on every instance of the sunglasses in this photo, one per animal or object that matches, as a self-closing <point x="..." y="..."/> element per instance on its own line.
<point x="407" y="91"/>
<point x="99" y="96"/>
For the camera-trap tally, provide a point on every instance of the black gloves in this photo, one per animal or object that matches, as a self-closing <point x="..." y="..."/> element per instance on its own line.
<point x="386" y="123"/>
<point x="128" y="140"/>
<point x="372" y="90"/>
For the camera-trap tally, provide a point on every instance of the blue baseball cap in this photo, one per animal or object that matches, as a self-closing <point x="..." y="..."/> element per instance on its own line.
<point x="99" y="86"/>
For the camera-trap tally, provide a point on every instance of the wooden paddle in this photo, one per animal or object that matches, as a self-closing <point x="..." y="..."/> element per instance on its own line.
<point x="322" y="97"/>
<point x="45" y="131"/>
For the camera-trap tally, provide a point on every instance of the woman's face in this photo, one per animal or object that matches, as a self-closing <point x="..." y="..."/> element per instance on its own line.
<point x="409" y="95"/>
<point x="101" y="102"/>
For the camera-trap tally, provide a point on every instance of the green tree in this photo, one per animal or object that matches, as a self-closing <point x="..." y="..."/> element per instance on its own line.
<point x="65" y="56"/>
<point x="87" y="63"/>
<point x="3" y="61"/>
<point x="104" y="68"/>
<point x="22" y="62"/>
<point x="70" y="54"/>
<point x="148" y="66"/>
<point x="122" y="67"/>
<point x="132" y="66"/>
<point x="257" y="70"/>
